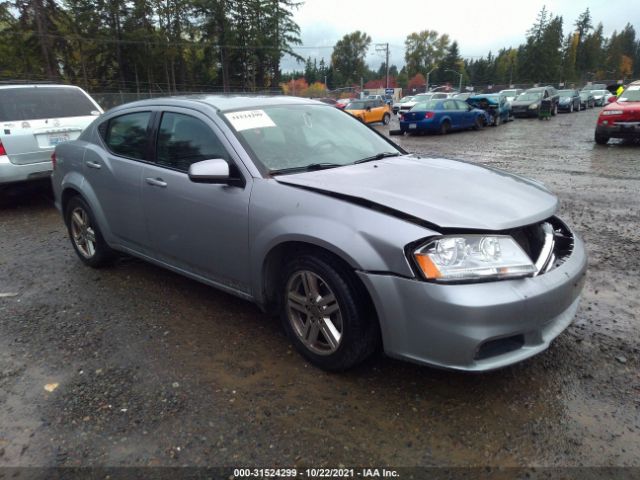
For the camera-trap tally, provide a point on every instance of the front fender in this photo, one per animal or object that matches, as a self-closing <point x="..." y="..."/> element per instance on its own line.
<point x="364" y="238"/>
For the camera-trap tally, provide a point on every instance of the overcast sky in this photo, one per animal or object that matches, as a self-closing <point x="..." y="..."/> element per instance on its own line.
<point x="479" y="27"/>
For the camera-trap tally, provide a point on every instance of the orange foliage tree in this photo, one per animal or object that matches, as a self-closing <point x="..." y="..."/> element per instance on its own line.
<point x="417" y="82"/>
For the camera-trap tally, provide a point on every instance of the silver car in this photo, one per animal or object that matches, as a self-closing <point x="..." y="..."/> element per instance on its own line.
<point x="33" y="120"/>
<point x="357" y="245"/>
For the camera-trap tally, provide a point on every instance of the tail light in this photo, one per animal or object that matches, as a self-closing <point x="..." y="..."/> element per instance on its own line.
<point x="429" y="115"/>
<point x="2" y="150"/>
<point x="401" y="118"/>
<point x="53" y="160"/>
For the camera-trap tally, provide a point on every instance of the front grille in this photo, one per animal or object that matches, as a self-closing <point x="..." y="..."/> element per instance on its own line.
<point x="548" y="244"/>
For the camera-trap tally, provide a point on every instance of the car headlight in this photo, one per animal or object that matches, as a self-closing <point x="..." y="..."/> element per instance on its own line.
<point x="472" y="257"/>
<point x="533" y="106"/>
<point x="612" y="112"/>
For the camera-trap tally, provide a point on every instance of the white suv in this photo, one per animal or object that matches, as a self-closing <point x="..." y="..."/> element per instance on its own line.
<point x="33" y="120"/>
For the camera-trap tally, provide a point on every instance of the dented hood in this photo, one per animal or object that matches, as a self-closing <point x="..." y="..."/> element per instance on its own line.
<point x="446" y="193"/>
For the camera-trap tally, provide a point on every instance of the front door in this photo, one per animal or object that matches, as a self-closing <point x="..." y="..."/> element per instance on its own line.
<point x="198" y="227"/>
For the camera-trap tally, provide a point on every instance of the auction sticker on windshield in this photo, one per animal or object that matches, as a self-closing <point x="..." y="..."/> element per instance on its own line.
<point x="249" y="119"/>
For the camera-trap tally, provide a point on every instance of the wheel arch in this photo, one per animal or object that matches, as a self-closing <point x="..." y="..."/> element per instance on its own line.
<point x="73" y="185"/>
<point x="276" y="257"/>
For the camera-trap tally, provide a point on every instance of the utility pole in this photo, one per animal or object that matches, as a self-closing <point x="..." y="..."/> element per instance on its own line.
<point x="384" y="47"/>
<point x="387" y="64"/>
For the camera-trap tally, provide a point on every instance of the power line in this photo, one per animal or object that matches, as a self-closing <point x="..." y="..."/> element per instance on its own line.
<point x="202" y="42"/>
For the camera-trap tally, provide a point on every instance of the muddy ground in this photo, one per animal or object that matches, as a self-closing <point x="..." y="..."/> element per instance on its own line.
<point x="156" y="369"/>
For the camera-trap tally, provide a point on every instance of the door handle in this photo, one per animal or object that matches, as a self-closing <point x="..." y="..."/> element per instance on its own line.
<point x="92" y="164"/>
<point x="156" y="182"/>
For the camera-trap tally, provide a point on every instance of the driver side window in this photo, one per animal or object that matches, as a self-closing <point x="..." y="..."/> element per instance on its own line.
<point x="183" y="140"/>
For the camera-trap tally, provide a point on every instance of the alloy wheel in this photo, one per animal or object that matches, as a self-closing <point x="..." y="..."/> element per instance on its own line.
<point x="84" y="237"/>
<point x="313" y="312"/>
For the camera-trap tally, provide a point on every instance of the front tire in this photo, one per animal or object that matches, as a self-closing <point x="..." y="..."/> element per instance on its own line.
<point x="85" y="235"/>
<point x="601" y="139"/>
<point x="571" y="108"/>
<point x="479" y="124"/>
<point x="326" y="312"/>
<point x="386" y="118"/>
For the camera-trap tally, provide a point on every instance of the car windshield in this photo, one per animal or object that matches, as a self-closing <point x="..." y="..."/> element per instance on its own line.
<point x="423" y="97"/>
<point x="599" y="92"/>
<point x="566" y="93"/>
<point x="356" y="106"/>
<point x="406" y="99"/>
<point x="509" y="93"/>
<point x="530" y="96"/>
<point x="303" y="136"/>
<point x="631" y="94"/>
<point x="43" y="102"/>
<point x="585" y="94"/>
<point x="430" y="105"/>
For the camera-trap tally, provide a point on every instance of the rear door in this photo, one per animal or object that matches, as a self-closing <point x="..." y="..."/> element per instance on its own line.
<point x="114" y="175"/>
<point x="198" y="227"/>
<point x="452" y="111"/>
<point x="33" y="120"/>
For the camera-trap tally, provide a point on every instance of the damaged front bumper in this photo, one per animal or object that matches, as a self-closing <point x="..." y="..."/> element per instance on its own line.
<point x="477" y="326"/>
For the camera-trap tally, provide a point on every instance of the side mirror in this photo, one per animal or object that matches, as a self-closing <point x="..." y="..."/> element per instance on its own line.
<point x="612" y="99"/>
<point x="209" y="171"/>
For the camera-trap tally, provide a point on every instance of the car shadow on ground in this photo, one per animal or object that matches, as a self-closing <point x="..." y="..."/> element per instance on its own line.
<point x="26" y="195"/>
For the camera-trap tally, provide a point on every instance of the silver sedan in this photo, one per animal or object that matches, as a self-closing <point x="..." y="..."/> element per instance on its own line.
<point x="356" y="244"/>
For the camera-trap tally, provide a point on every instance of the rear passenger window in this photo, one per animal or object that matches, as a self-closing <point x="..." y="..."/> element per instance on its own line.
<point x="127" y="135"/>
<point x="183" y="140"/>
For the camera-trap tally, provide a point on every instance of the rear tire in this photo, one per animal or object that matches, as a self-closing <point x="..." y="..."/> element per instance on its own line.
<point x="385" y="119"/>
<point x="497" y="120"/>
<point x="445" y="127"/>
<point x="601" y="139"/>
<point x="313" y="284"/>
<point x="85" y="235"/>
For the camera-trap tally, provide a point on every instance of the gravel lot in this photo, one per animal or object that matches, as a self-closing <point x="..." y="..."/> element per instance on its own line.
<point x="155" y="369"/>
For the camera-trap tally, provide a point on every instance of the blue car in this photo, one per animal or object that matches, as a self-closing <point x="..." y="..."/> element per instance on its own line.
<point x="495" y="104"/>
<point x="442" y="116"/>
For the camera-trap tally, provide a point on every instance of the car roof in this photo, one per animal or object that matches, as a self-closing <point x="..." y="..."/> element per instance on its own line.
<point x="5" y="86"/>
<point x="221" y="102"/>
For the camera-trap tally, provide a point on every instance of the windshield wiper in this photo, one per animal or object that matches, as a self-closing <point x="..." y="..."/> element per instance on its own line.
<point x="378" y="156"/>
<point x="306" y="168"/>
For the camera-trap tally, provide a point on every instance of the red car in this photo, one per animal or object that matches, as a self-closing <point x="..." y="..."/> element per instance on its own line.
<point x="621" y="118"/>
<point x="343" y="102"/>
